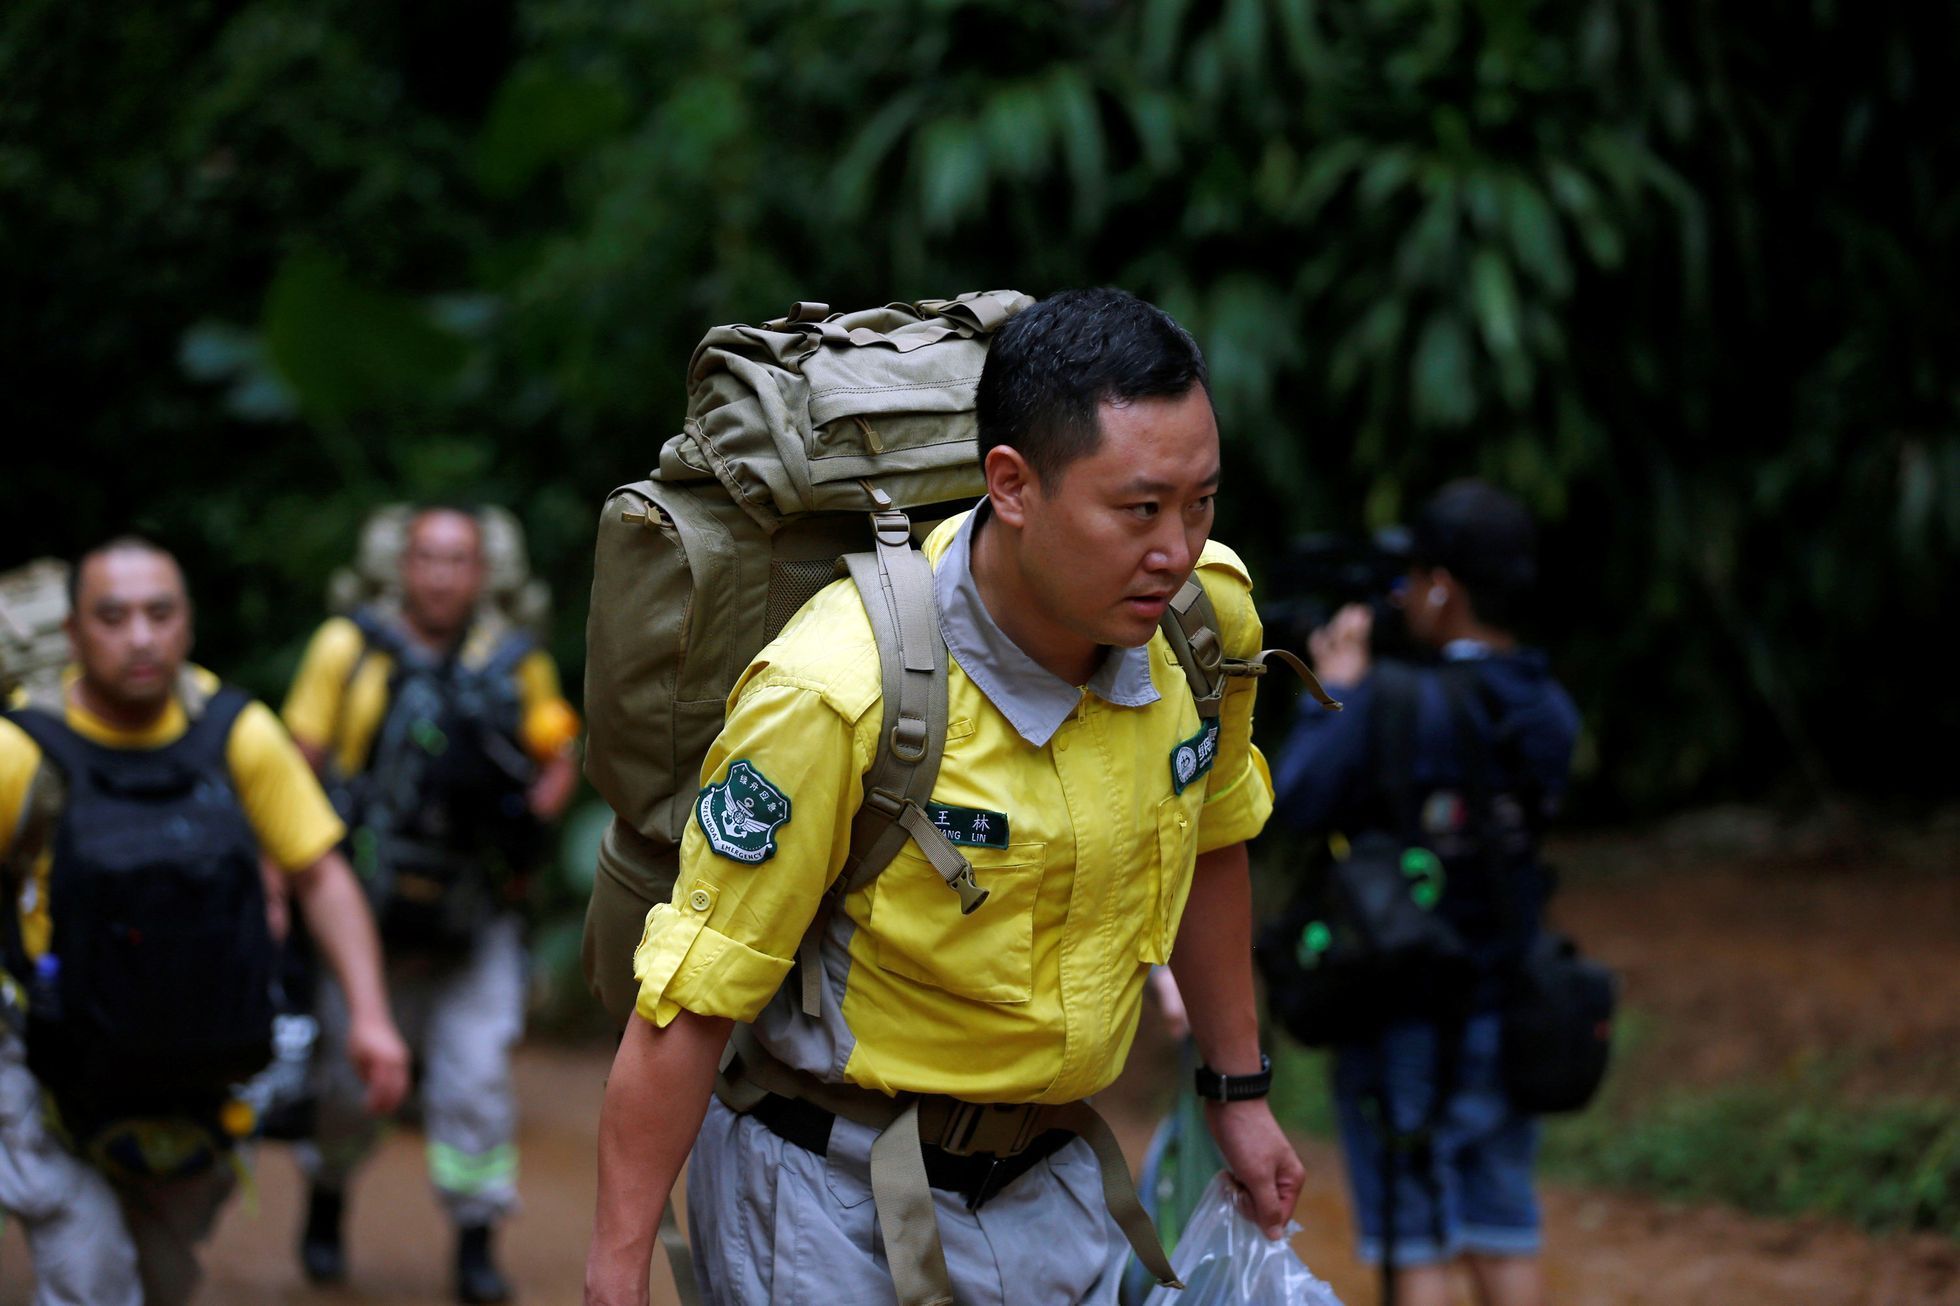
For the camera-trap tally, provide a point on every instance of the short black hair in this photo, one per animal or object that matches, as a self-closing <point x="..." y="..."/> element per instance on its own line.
<point x="114" y="544"/>
<point x="1486" y="539"/>
<point x="1052" y="366"/>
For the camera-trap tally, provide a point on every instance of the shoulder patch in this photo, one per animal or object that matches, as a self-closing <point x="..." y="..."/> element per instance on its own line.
<point x="740" y="816"/>
<point x="1194" y="756"/>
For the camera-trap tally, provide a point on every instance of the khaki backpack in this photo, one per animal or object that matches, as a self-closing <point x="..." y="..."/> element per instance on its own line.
<point x="511" y="594"/>
<point x="33" y="645"/>
<point x="811" y="445"/>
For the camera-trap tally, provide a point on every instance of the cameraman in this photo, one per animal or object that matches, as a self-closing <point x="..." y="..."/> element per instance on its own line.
<point x="1465" y="1189"/>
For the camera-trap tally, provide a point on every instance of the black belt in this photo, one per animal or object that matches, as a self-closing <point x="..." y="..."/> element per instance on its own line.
<point x="976" y="1176"/>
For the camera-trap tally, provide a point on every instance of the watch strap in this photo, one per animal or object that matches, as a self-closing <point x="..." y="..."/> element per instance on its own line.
<point x="1216" y="1087"/>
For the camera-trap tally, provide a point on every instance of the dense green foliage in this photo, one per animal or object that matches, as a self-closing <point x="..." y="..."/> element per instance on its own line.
<point x="1680" y="277"/>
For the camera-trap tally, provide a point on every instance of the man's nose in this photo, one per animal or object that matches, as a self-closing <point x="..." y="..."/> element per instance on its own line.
<point x="1170" y="551"/>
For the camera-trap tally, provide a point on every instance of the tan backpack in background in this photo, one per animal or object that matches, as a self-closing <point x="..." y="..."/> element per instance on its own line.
<point x="33" y="645"/>
<point x="510" y="592"/>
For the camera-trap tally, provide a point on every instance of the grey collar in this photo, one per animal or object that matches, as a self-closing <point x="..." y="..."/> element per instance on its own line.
<point x="1034" y="700"/>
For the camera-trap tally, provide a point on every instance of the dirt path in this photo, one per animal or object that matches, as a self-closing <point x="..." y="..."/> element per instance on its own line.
<point x="1749" y="964"/>
<point x="1606" y="1250"/>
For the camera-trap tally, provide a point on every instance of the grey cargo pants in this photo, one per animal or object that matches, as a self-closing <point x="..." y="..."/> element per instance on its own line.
<point x="771" y="1222"/>
<point x="94" y="1243"/>
<point x="461" y="1019"/>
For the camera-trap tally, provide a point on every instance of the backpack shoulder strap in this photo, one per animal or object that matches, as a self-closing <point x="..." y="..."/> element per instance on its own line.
<point x="895" y="583"/>
<point x="209" y="736"/>
<point x="1190" y="626"/>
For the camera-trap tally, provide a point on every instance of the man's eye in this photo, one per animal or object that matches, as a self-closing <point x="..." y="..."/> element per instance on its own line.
<point x="1145" y="511"/>
<point x="1199" y="507"/>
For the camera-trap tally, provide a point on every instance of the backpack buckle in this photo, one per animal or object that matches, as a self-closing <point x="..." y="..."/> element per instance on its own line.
<point x="909" y="739"/>
<point x="971" y="894"/>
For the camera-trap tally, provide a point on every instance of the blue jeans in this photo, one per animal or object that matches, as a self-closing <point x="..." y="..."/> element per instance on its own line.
<point x="1470" y="1189"/>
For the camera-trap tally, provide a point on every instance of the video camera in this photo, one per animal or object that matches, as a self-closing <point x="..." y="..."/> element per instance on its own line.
<point x="1324" y="571"/>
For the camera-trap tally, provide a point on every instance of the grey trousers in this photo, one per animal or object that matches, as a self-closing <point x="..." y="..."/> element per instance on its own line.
<point x="771" y="1222"/>
<point x="95" y="1243"/>
<point x="461" y="1019"/>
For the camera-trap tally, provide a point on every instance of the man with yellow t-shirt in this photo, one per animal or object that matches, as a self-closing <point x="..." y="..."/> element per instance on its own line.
<point x="135" y="811"/>
<point x="444" y="737"/>
<point x="940" y="1084"/>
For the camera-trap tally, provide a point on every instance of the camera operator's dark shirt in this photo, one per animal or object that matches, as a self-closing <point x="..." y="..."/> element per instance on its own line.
<point x="1325" y="775"/>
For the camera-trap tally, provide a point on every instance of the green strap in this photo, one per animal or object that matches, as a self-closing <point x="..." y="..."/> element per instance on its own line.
<point x="895" y="583"/>
<point x="1256" y="666"/>
<point x="1119" y="1190"/>
<point x="899" y="1188"/>
<point x="903" y="1196"/>
<point x="1191" y="629"/>
<point x="1190" y="626"/>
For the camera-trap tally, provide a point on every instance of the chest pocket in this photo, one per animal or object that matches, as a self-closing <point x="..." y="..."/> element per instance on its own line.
<point x="1176" y="851"/>
<point x="918" y="932"/>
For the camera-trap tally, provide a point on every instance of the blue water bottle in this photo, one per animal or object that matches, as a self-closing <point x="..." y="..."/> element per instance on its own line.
<point x="44" y="992"/>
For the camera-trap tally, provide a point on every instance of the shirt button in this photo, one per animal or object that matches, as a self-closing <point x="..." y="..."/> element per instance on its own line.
<point x="699" y="900"/>
<point x="1182" y="820"/>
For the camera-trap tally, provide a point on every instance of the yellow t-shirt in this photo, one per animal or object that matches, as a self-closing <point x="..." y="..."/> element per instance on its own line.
<point x="287" y="810"/>
<point x="339" y="697"/>
<point x="1086" y="844"/>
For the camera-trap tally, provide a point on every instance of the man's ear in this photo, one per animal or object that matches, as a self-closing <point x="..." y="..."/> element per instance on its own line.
<point x="74" y="644"/>
<point x="1010" y="484"/>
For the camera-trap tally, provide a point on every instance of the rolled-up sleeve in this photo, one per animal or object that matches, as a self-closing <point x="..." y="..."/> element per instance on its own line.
<point x="1239" y="795"/>
<point x="724" y="944"/>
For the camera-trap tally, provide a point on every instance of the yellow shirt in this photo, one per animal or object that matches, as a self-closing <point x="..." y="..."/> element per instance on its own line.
<point x="338" y="698"/>
<point x="289" y="813"/>
<point x="1034" y="997"/>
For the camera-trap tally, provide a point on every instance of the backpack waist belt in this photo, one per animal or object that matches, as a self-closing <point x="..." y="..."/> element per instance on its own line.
<point x="976" y="1176"/>
<point x="983" y="1136"/>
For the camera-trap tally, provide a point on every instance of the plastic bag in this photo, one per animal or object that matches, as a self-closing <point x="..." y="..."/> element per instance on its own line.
<point x="1225" y="1260"/>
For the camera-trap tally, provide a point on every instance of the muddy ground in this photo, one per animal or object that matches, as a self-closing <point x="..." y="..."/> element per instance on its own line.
<point x="1754" y="954"/>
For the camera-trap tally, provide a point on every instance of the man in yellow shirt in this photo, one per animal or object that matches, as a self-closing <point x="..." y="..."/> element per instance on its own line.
<point x="134" y="813"/>
<point x="1106" y="821"/>
<point x="446" y="740"/>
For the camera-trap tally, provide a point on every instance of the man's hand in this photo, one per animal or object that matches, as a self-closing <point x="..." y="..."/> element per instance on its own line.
<point x="380" y="1058"/>
<point x="337" y="915"/>
<point x="1339" y="649"/>
<point x="1263" y="1163"/>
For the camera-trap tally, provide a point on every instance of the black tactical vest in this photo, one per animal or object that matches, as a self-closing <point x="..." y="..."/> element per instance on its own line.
<point x="159" y="992"/>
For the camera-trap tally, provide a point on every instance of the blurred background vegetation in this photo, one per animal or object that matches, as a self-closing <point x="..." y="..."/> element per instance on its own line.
<point x="1679" y="275"/>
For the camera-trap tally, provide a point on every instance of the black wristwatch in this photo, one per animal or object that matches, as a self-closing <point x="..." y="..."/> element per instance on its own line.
<point x="1214" y="1087"/>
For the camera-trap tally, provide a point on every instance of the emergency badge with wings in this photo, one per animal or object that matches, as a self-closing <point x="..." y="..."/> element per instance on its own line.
<point x="741" y="814"/>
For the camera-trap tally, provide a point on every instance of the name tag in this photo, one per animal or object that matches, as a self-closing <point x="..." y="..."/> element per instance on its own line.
<point x="1193" y="758"/>
<point x="969" y="827"/>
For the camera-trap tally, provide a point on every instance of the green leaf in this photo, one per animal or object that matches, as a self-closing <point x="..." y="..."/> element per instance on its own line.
<point x="951" y="164"/>
<point x="853" y="181"/>
<point x="1444" y="394"/>
<point x="1536" y="241"/>
<point x="543" y="115"/>
<point x="1495" y="296"/>
<point x="345" y="347"/>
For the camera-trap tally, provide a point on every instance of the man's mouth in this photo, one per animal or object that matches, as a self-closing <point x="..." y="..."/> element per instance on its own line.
<point x="1148" y="605"/>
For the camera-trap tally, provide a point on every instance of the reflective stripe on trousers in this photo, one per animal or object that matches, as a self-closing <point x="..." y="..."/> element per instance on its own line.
<point x="462" y="1020"/>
